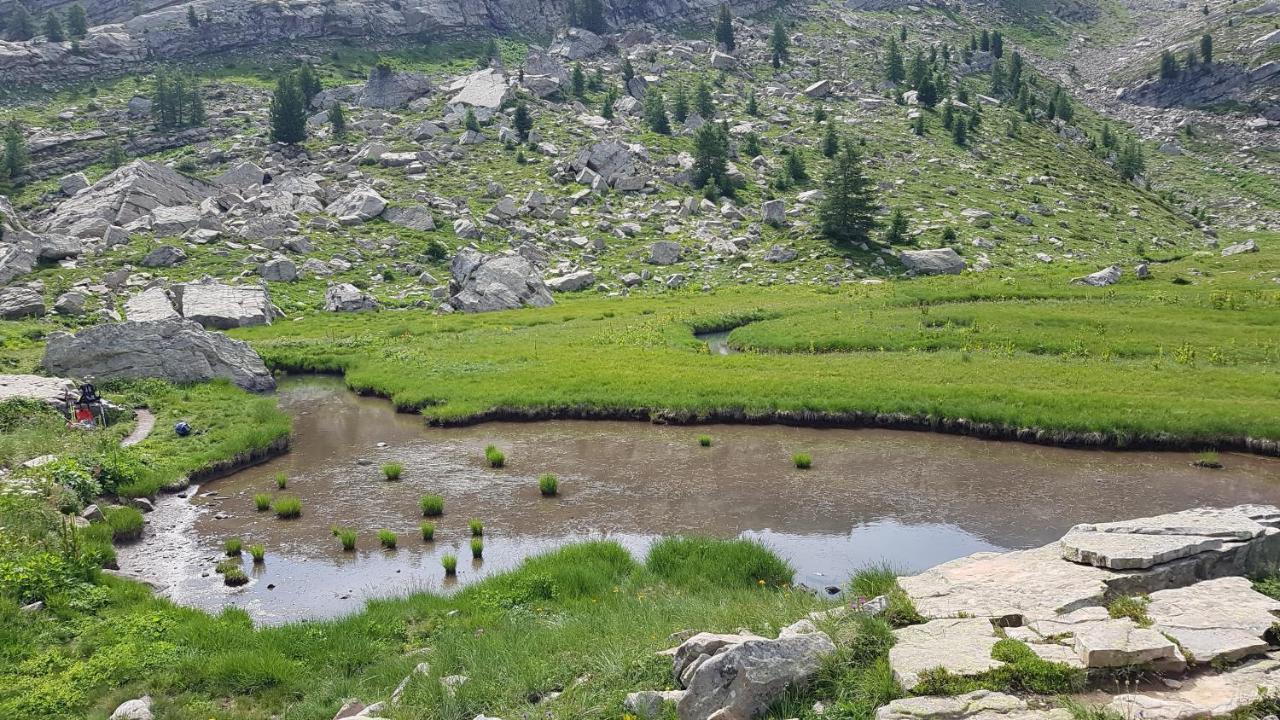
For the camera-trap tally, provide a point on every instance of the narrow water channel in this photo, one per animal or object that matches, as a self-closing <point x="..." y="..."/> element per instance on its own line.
<point x="908" y="499"/>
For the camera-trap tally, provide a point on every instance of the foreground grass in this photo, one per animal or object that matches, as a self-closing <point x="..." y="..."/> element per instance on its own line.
<point x="584" y="621"/>
<point x="1189" y="353"/>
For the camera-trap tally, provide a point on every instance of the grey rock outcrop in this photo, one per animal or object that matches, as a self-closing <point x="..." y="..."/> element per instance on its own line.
<point x="979" y="704"/>
<point x="345" y="297"/>
<point x="486" y="89"/>
<point x="572" y="282"/>
<point x="743" y="679"/>
<point x="129" y="193"/>
<point x="942" y="261"/>
<point x="1102" y="278"/>
<point x="18" y="302"/>
<point x="219" y="307"/>
<point x="387" y="88"/>
<point x="149" y="305"/>
<point x="179" y="351"/>
<point x="358" y="205"/>
<point x="483" y="283"/>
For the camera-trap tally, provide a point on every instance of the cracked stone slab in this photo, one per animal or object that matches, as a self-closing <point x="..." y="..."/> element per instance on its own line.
<point x="961" y="646"/>
<point x="1216" y="619"/>
<point x="977" y="705"/>
<point x="1147" y="542"/>
<point x="1120" y="642"/>
<point x="1207" y="696"/>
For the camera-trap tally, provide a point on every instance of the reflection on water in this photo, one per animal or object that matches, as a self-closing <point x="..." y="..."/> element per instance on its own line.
<point x="908" y="499"/>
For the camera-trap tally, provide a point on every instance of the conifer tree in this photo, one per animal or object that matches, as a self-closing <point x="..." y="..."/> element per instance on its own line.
<point x="724" y="28"/>
<point x="680" y="104"/>
<point x="77" y="21"/>
<point x="523" y="121"/>
<point x="960" y="132"/>
<point x="830" y="142"/>
<point x="896" y="233"/>
<point x="997" y="44"/>
<point x="655" y="112"/>
<point x="288" y="113"/>
<point x="21" y="26"/>
<point x="848" y="207"/>
<point x="309" y="83"/>
<point x="53" y="31"/>
<point x="779" y="44"/>
<point x="702" y="100"/>
<point x="894" y="71"/>
<point x="338" y="121"/>
<point x="1206" y="48"/>
<point x="711" y="157"/>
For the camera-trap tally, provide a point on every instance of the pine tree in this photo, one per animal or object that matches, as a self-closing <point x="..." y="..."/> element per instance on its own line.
<point x="680" y="104"/>
<point x="984" y="42"/>
<point x="115" y="156"/>
<point x="779" y="44"/>
<point x="918" y="126"/>
<point x="338" y="121"/>
<point x="902" y="33"/>
<point x="750" y="147"/>
<point x="523" y="121"/>
<point x="578" y="81"/>
<point x="470" y="121"/>
<point x="927" y="94"/>
<point x="628" y="71"/>
<point x="1015" y="71"/>
<point x="53" y="31"/>
<point x="830" y="142"/>
<point x="606" y="107"/>
<point x="894" y="72"/>
<point x="1108" y="138"/>
<point x="997" y="44"/>
<point x="724" y="28"/>
<point x="948" y="116"/>
<point x="21" y="26"/>
<point x="288" y="113"/>
<point x="309" y="83"/>
<point x="711" y="157"/>
<point x="796" y="169"/>
<point x="919" y="70"/>
<point x="1206" y="48"/>
<point x="77" y="21"/>
<point x="960" y="132"/>
<point x="997" y="79"/>
<point x="1129" y="161"/>
<point x="753" y="107"/>
<point x="847" y="208"/>
<point x="896" y="234"/>
<point x="973" y="41"/>
<point x="192" y="19"/>
<point x="655" y="112"/>
<point x="975" y="119"/>
<point x="702" y="100"/>
<point x="15" y="153"/>
<point x="195" y="116"/>
<point x="1065" y="111"/>
<point x="591" y="16"/>
<point x="1168" y="65"/>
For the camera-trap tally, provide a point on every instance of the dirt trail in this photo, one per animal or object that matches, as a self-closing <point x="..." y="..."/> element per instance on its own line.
<point x="146" y="423"/>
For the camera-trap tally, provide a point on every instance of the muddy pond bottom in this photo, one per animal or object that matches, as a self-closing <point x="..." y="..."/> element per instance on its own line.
<point x="908" y="499"/>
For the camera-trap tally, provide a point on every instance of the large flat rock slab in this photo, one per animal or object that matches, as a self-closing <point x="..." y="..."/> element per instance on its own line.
<point x="1147" y="542"/>
<point x="1120" y="642"/>
<point x="50" y="390"/>
<point x="1222" y="619"/>
<point x="977" y="705"/>
<point x="961" y="646"/>
<point x="1208" y="696"/>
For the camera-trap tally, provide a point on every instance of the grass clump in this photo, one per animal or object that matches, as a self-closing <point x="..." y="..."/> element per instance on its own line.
<point x="392" y="470"/>
<point x="1208" y="459"/>
<point x="234" y="577"/>
<point x="704" y="440"/>
<point x="282" y="481"/>
<point x="549" y="485"/>
<point x="697" y="561"/>
<point x="1023" y="672"/>
<point x="477" y="527"/>
<point x="347" y="537"/>
<point x="387" y="539"/>
<point x="432" y="505"/>
<point x="258" y="553"/>
<point x="288" y="508"/>
<point x="428" y="531"/>
<point x="262" y="502"/>
<point x="495" y="457"/>
<point x="477" y="548"/>
<point x="126" y="523"/>
<point x="450" y="563"/>
<point x="1133" y="607"/>
<point x="882" y="581"/>
<point x="222" y="567"/>
<point x="232" y="547"/>
<point x="802" y="461"/>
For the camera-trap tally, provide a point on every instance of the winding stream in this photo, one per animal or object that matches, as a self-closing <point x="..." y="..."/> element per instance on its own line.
<point x="909" y="499"/>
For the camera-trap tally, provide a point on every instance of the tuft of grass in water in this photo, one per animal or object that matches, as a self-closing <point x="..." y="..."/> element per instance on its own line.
<point x="347" y="537"/>
<point x="549" y="485"/>
<point x="1208" y="459"/>
<point x="392" y="470"/>
<point x="477" y="548"/>
<point x="234" y="577"/>
<point x="704" y="440"/>
<point x="1133" y="607"/>
<point x="232" y="547"/>
<point x="387" y="539"/>
<point x="288" y="508"/>
<point x="432" y="505"/>
<point x="495" y="456"/>
<point x="282" y="481"/>
<point x="126" y="523"/>
<point x="222" y="567"/>
<point x="258" y="553"/>
<point x="428" y="531"/>
<point x="262" y="501"/>
<point x="450" y="563"/>
<point x="699" y="562"/>
<point x="802" y="461"/>
<point x="477" y="527"/>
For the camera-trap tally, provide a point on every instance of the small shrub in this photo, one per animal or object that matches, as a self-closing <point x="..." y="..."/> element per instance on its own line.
<point x="234" y="577"/>
<point x="126" y="523"/>
<point x="348" y="539"/>
<point x="549" y="485"/>
<point x="495" y="456"/>
<point x="428" y="531"/>
<point x="262" y="501"/>
<point x="477" y="548"/>
<point x="387" y="539"/>
<point x="232" y="546"/>
<point x="704" y="440"/>
<point x="392" y="471"/>
<point x="477" y="527"/>
<point x="288" y="508"/>
<point x="432" y="505"/>
<point x="450" y="563"/>
<point x="258" y="553"/>
<point x="802" y="461"/>
<point x="282" y="481"/>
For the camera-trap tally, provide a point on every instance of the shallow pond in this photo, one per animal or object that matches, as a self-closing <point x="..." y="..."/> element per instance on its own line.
<point x="910" y="499"/>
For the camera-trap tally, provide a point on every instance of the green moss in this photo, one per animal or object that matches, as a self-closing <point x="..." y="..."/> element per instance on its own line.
<point x="1133" y="607"/>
